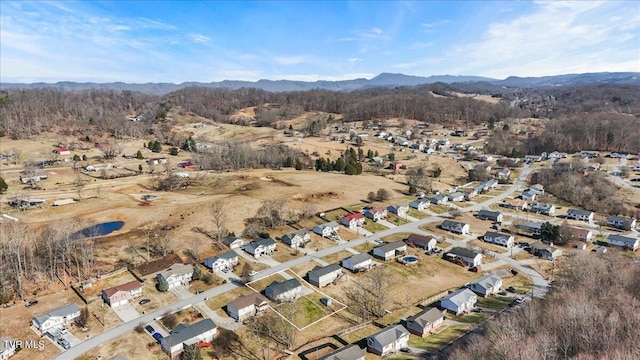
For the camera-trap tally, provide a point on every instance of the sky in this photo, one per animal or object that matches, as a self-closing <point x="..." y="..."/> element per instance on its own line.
<point x="205" y="41"/>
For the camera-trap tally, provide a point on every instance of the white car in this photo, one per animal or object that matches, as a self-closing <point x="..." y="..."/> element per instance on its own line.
<point x="63" y="331"/>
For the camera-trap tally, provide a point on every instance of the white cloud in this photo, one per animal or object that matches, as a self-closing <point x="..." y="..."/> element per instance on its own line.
<point x="435" y="24"/>
<point x="199" y="38"/>
<point x="354" y="60"/>
<point x="373" y="33"/>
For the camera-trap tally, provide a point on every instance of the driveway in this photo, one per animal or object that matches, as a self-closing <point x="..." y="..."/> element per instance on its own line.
<point x="224" y="322"/>
<point x="126" y="312"/>
<point x="72" y="339"/>
<point x="181" y="292"/>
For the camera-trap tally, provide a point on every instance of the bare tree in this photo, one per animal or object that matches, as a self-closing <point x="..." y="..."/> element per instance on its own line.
<point x="79" y="185"/>
<point x="220" y="218"/>
<point x="369" y="296"/>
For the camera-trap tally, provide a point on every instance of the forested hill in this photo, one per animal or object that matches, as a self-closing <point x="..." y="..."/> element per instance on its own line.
<point x="382" y="80"/>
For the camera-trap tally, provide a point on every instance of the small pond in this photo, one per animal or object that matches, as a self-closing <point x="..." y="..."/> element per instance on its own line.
<point x="98" y="230"/>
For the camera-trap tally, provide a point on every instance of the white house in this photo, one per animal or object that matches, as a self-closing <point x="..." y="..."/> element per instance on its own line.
<point x="391" y="250"/>
<point x="543" y="208"/>
<point x="528" y="195"/>
<point x="8" y="347"/>
<point x="582" y="215"/>
<point x="499" y="238"/>
<point x="457" y="196"/>
<point x="621" y="221"/>
<point x="177" y="274"/>
<point x="121" y="294"/>
<point x="353" y="220"/>
<point x="247" y="306"/>
<point x="425" y="242"/>
<point x="420" y="204"/>
<point x="322" y="276"/>
<point x="582" y="234"/>
<point x="388" y="340"/>
<point x="283" y="291"/>
<point x="376" y="214"/>
<point x="349" y="352"/>
<point x="261" y="246"/>
<point x="455" y="226"/>
<point x="357" y="262"/>
<point x="486" y="285"/>
<point x="439" y="199"/>
<point x="297" y="238"/>
<point x="233" y="242"/>
<point x="627" y="242"/>
<point x="188" y="334"/>
<point x="424" y="322"/>
<point x="490" y="215"/>
<point x="459" y="301"/>
<point x="56" y="319"/>
<point x="400" y="209"/>
<point x="470" y="257"/>
<point x="327" y="229"/>
<point x="221" y="262"/>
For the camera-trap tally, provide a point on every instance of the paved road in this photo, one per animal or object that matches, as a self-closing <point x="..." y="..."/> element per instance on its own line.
<point x="540" y="284"/>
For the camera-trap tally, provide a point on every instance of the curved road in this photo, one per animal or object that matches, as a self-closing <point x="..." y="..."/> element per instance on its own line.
<point x="540" y="285"/>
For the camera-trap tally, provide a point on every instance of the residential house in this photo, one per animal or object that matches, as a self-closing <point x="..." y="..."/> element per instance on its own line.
<point x="621" y="222"/>
<point x="358" y="262"/>
<point x="429" y="150"/>
<point x="327" y="229"/>
<point x="582" y="215"/>
<point x="8" y="347"/>
<point x="455" y="226"/>
<point x="530" y="226"/>
<point x="503" y="174"/>
<point x="177" y="274"/>
<point x="547" y="252"/>
<point x="444" y="142"/>
<point x="627" y="242"/>
<point x="425" y="242"/>
<point x="470" y="257"/>
<point x="400" y="209"/>
<point x="261" y="246"/>
<point x="515" y="204"/>
<point x="377" y="160"/>
<point x="156" y="161"/>
<point x="349" y="352"/>
<point x="543" y="208"/>
<point x="420" y="204"/>
<point x="486" y="285"/>
<point x="322" y="276"/>
<point x="538" y="188"/>
<point x="284" y="291"/>
<point x="601" y="250"/>
<point x="247" y="306"/>
<point x="221" y="262"/>
<point x="56" y="319"/>
<point x="495" y="216"/>
<point x="459" y="301"/>
<point x="557" y="155"/>
<point x="62" y="151"/>
<point x="395" y="165"/>
<point x="582" y="234"/>
<point x="439" y="199"/>
<point x="296" y="238"/>
<point x="391" y="250"/>
<point x="499" y="238"/>
<point x="375" y="214"/>
<point x="528" y="195"/>
<point x="233" y="242"/>
<point x="352" y="221"/>
<point x="470" y="193"/>
<point x="456" y="196"/>
<point x="388" y="340"/>
<point x="532" y="158"/>
<point x="424" y="322"/>
<point x="188" y="334"/>
<point x="121" y="294"/>
<point x="490" y="184"/>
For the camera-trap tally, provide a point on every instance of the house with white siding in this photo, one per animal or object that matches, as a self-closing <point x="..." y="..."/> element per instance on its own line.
<point x="358" y="262"/>
<point x="499" y="238"/>
<point x="581" y="215"/>
<point x="327" y="229"/>
<point x="56" y="319"/>
<point x="283" y="291"/>
<point x="122" y="294"/>
<point x="261" y="246"/>
<point x="247" y="306"/>
<point x="425" y="322"/>
<point x="626" y="242"/>
<point x="399" y="209"/>
<point x="8" y="347"/>
<point x="388" y="340"/>
<point x="221" y="262"/>
<point x="391" y="250"/>
<point x="420" y="204"/>
<point x="322" y="276"/>
<point x="352" y="221"/>
<point x="188" y="334"/>
<point x="621" y="222"/>
<point x="470" y="257"/>
<point x="459" y="301"/>
<point x="426" y="242"/>
<point x="177" y="274"/>
<point x="455" y="227"/>
<point x="486" y="285"/>
<point x="296" y="239"/>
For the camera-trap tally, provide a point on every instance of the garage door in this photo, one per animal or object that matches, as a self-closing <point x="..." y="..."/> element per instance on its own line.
<point x="119" y="303"/>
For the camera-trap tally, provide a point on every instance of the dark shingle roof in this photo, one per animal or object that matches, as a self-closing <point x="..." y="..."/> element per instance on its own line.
<point x="391" y="246"/>
<point x="183" y="332"/>
<point x="349" y="352"/>
<point x="463" y="252"/>
<point x="324" y="270"/>
<point x="390" y="334"/>
<point x="278" y="288"/>
<point x="426" y="316"/>
<point x="579" y="212"/>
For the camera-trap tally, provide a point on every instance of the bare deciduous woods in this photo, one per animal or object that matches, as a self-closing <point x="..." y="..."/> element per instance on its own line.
<point x="368" y="297"/>
<point x="591" y="313"/>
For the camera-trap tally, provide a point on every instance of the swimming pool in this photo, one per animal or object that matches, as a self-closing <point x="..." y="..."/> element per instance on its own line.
<point x="409" y="259"/>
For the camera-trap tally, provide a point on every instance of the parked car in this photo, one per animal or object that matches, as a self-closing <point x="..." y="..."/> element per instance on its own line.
<point x="64" y="343"/>
<point x="511" y="289"/>
<point x="63" y="331"/>
<point x="150" y="329"/>
<point x="157" y="336"/>
<point x="502" y="293"/>
<point x="144" y="301"/>
<point x="519" y="300"/>
<point x="31" y="303"/>
<point x="405" y="350"/>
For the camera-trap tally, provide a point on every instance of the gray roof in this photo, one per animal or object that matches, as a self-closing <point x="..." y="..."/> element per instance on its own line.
<point x="495" y="234"/>
<point x="324" y="270"/>
<point x="228" y="255"/>
<point x="262" y="241"/>
<point x="182" y="332"/>
<point x="278" y="288"/>
<point x="350" y="352"/>
<point x="623" y="239"/>
<point x="459" y="296"/>
<point x="230" y="239"/>
<point x="487" y="281"/>
<point x="618" y="218"/>
<point x="390" y="334"/>
<point x="530" y="224"/>
<point x="426" y="316"/>
<point x="456" y="195"/>
<point x="489" y="214"/>
<point x="541" y="206"/>
<point x="330" y="224"/>
<point x="359" y="258"/>
<point x="391" y="246"/>
<point x="579" y="212"/>
<point x="61" y="312"/>
<point x="452" y="224"/>
<point x="286" y="238"/>
<point x="464" y="252"/>
<point x="177" y="269"/>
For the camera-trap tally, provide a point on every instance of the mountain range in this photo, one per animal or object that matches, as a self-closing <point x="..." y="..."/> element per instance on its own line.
<point x="382" y="80"/>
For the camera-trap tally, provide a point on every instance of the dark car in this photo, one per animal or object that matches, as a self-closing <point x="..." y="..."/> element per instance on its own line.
<point x="150" y="329"/>
<point x="64" y="343"/>
<point x="144" y="301"/>
<point x="405" y="350"/>
<point x="31" y="303"/>
<point x="157" y="336"/>
<point x="511" y="289"/>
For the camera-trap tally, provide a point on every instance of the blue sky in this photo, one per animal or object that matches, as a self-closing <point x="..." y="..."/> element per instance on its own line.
<point x="164" y="41"/>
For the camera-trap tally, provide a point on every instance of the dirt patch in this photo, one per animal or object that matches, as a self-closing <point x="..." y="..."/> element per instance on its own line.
<point x="156" y="265"/>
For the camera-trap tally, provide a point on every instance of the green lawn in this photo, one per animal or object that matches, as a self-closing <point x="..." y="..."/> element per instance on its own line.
<point x="437" y="341"/>
<point x="355" y="336"/>
<point x="473" y="318"/>
<point x="397" y="220"/>
<point x="494" y="303"/>
<point x="374" y="226"/>
<point x="308" y="310"/>
<point x="417" y="214"/>
<point x="334" y="215"/>
<point x="439" y="209"/>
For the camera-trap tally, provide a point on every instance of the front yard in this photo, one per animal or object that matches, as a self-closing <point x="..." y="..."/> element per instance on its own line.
<point x="435" y="342"/>
<point x="417" y="214"/>
<point x="374" y="227"/>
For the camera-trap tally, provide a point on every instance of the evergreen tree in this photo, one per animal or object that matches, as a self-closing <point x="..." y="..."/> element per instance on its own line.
<point x="162" y="285"/>
<point x="3" y="186"/>
<point x="298" y="164"/>
<point x="189" y="144"/>
<point x="369" y="154"/>
<point x="197" y="273"/>
<point x="173" y="151"/>
<point x="191" y="352"/>
<point x="139" y="155"/>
